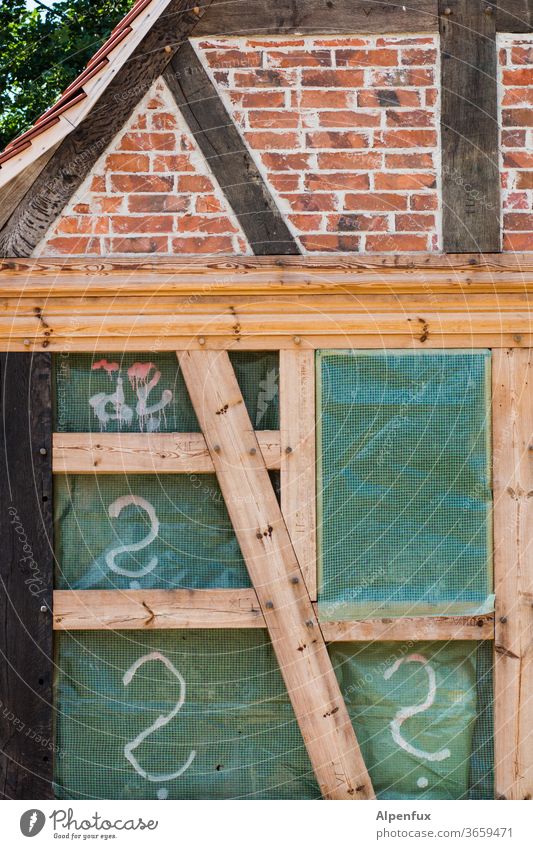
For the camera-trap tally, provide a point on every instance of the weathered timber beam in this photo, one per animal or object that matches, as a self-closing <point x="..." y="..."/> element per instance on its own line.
<point x="227" y="155"/>
<point x="469" y="127"/>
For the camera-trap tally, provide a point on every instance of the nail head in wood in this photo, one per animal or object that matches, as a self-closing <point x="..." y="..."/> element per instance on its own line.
<point x="216" y="449"/>
<point x="253" y="451"/>
<point x="269" y="605"/>
<point x="296" y="339"/>
<point x="26" y="342"/>
<point x="168" y="48"/>
<point x="43" y="451"/>
<point x="288" y="450"/>
<point x="201" y="340"/>
<point x="295" y="580"/>
<point x="44" y="608"/>
<point x="447" y="11"/>
<point x="503" y="619"/>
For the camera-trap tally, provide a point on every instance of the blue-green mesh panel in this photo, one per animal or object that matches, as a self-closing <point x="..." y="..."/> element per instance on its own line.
<point x="235" y="732"/>
<point x="442" y="752"/>
<point x="195" y="546"/>
<point x="236" y="717"/>
<point x="404" y="483"/>
<point x="146" y="392"/>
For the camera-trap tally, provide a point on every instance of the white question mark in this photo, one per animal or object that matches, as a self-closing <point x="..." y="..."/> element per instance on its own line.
<point x="114" y="510"/>
<point x="161" y="721"/>
<point x="412" y="710"/>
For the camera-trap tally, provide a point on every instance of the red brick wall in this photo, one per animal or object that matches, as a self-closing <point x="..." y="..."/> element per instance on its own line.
<point x="345" y="131"/>
<point x="151" y="192"/>
<point x="516" y="119"/>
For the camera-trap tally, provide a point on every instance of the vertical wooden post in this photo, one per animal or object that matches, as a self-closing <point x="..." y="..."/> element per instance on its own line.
<point x="298" y="473"/>
<point x="469" y="126"/>
<point x="26" y="576"/>
<point x="513" y="565"/>
<point x="275" y="573"/>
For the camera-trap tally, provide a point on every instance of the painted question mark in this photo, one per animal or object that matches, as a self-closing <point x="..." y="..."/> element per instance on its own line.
<point x="160" y="722"/>
<point x="114" y="510"/>
<point x="412" y="710"/>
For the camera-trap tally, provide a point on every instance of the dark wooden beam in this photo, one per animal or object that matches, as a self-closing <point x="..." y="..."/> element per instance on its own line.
<point x="514" y="15"/>
<point x="26" y="578"/>
<point x="242" y="17"/>
<point x="227" y="155"/>
<point x="79" y="151"/>
<point x="469" y="123"/>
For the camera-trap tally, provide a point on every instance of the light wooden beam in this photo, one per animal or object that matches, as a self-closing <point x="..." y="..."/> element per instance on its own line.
<point x="276" y="575"/>
<point x="145" y="453"/>
<point x="513" y="571"/>
<point x="298" y="473"/>
<point x="95" y="610"/>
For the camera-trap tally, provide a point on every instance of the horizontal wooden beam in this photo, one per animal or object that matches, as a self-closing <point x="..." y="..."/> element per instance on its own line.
<point x="138" y="609"/>
<point x="145" y="453"/>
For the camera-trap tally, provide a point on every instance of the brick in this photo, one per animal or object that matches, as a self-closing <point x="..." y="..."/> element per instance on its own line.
<point x="83" y="224"/>
<point x="420" y="203"/>
<point x="518" y="159"/>
<point x="234" y="58"/>
<point x="275" y="43"/>
<point x="74" y="245"/>
<point x="516" y="200"/>
<point x="518" y="242"/>
<point x="410" y="118"/>
<point x="524" y="180"/>
<point x="419" y="56"/>
<point x="141" y="183"/>
<point x="272" y="141"/>
<point x="326" y="99"/>
<point x="517" y="76"/>
<point x="82" y="209"/>
<point x="517" y="117"/>
<point x="158" y="203"/>
<point x="194" y="183"/>
<point x="330" y="242"/>
<point x="414" y="223"/>
<point x="270" y="78"/>
<point x="164" y="121"/>
<point x="108" y="203"/>
<point x="518" y="97"/>
<point x="284" y="182"/>
<point x="348" y="223"/>
<point x="140" y="245"/>
<point x="140" y="122"/>
<point x="409" y="41"/>
<point x="404" y="181"/>
<point x="98" y="183"/>
<point x="350" y="161"/>
<point x="341" y="140"/>
<point x="268" y="118"/>
<point x="374" y="201"/>
<point x="518" y="221"/>
<point x="258" y="99"/>
<point x="208" y="203"/>
<point x="221" y="44"/>
<point x="368" y="98"/>
<point x="406" y="138"/>
<point x="203" y="245"/>
<point x="397" y="243"/>
<point x="148" y="141"/>
<point x="155" y="103"/>
<point x="341" y="41"/>
<point x="312" y="202"/>
<point x="336" y="182"/>
<point x="513" y="138"/>
<point x="203" y="224"/>
<point x="367" y="58"/>
<point x="522" y="55"/>
<point x="285" y="161"/>
<point x="172" y="162"/>
<point x="306" y="223"/>
<point x="418" y="77"/>
<point x="410" y="161"/>
<point x="333" y="79"/>
<point x="130" y="162"/>
<point x="298" y="58"/>
<point x="142" y="224"/>
<point x="344" y="118"/>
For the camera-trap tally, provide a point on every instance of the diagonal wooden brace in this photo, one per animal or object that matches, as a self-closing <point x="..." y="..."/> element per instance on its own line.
<point x="276" y="576"/>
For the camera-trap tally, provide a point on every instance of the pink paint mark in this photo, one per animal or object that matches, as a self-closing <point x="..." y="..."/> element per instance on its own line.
<point x="138" y="374"/>
<point x="106" y="366"/>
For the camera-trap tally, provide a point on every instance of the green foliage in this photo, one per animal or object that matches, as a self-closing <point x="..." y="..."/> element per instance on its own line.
<point x="42" y="51"/>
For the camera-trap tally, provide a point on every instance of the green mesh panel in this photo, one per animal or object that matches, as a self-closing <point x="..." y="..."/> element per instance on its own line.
<point x="380" y="679"/>
<point x="238" y="720"/>
<point x="404" y="483"/>
<point x="146" y="392"/>
<point x="195" y="546"/>
<point x="236" y="716"/>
